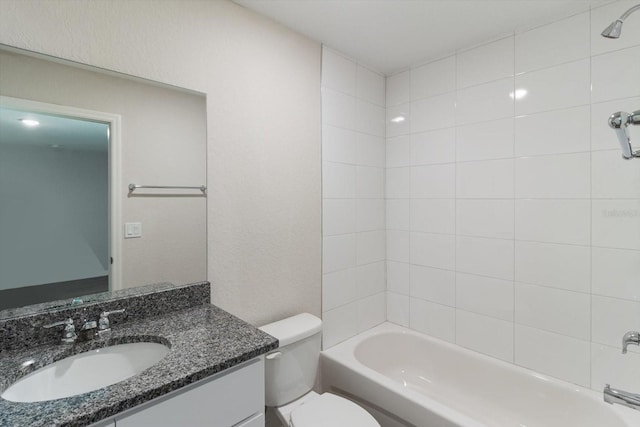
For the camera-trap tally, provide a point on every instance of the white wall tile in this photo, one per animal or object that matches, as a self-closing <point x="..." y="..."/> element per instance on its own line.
<point x="612" y="318"/>
<point x="338" y="180"/>
<point x="552" y="354"/>
<point x="398" y="183"/>
<point x="398" y="309"/>
<point x="610" y="366"/>
<point x="398" y="214"/>
<point x="433" y="250"/>
<point x="615" y="75"/>
<point x="485" y="141"/>
<point x="338" y="252"/>
<point x="553" y="221"/>
<point x="434" y="181"/>
<point x="485" y="295"/>
<point x="616" y="223"/>
<point x="338" y="145"/>
<point x="399" y="88"/>
<point x="433" y="284"/>
<point x="562" y="41"/>
<point x="339" y="324"/>
<point x="370" y="85"/>
<point x="615" y="273"/>
<point x="485" y="179"/>
<point x="370" y="182"/>
<point x="372" y="311"/>
<point x="562" y="86"/>
<point x="338" y="109"/>
<point x="370" y="214"/>
<point x="370" y="150"/>
<point x="398" y="120"/>
<point x="398" y="151"/>
<point x="433" y="319"/>
<point x="398" y="245"/>
<point x="562" y="176"/>
<point x="485" y="218"/>
<point x="602" y="136"/>
<point x="488" y="101"/>
<point x="485" y="335"/>
<point x="554" y="310"/>
<point x="398" y="277"/>
<point x="613" y="177"/>
<point x="338" y="72"/>
<point x="434" y="78"/>
<point x="370" y="279"/>
<point x="492" y="61"/>
<point x="370" y="247"/>
<point x="338" y="288"/>
<point x="433" y="215"/>
<point x="338" y="216"/>
<point x="433" y="113"/>
<point x="370" y="118"/>
<point x="558" y="266"/>
<point x="436" y="146"/>
<point x="555" y="132"/>
<point x="601" y="17"/>
<point x="485" y="257"/>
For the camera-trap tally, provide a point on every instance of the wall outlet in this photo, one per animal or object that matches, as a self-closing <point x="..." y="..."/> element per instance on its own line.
<point x="132" y="230"/>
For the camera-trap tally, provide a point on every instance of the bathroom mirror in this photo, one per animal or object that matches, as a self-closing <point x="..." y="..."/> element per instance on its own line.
<point x="69" y="224"/>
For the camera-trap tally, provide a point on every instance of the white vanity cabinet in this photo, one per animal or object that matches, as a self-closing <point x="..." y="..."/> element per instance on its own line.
<point x="232" y="398"/>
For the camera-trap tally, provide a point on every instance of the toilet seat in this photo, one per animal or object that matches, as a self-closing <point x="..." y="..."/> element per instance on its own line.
<point x="329" y="410"/>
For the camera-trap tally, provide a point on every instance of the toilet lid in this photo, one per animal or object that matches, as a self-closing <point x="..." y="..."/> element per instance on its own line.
<point x="329" y="410"/>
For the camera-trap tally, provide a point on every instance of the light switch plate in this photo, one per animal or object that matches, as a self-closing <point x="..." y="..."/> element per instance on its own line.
<point x="132" y="230"/>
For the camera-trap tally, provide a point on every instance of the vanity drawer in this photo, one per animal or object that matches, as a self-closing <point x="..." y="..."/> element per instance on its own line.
<point x="226" y="399"/>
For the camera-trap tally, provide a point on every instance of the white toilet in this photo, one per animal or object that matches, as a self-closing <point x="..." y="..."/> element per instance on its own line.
<point x="290" y="373"/>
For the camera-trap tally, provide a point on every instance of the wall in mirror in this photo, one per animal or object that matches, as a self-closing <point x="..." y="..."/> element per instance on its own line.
<point x="64" y="183"/>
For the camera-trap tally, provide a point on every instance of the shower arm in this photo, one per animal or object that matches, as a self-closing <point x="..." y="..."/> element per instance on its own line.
<point x="629" y="12"/>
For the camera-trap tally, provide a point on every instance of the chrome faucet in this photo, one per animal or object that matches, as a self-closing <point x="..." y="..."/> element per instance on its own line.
<point x="621" y="397"/>
<point x="631" y="337"/>
<point x="89" y="330"/>
<point x="630" y="400"/>
<point x="69" y="335"/>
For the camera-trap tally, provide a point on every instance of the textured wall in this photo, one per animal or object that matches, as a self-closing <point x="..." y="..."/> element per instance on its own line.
<point x="263" y="123"/>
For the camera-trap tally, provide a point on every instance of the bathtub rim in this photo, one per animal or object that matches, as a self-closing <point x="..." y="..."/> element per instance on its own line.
<point x="344" y="354"/>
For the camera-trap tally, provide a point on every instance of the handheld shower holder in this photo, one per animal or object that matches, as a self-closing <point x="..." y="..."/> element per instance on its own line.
<point x="620" y="122"/>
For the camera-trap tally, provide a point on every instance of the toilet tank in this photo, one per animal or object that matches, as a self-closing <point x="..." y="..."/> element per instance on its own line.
<point x="290" y="370"/>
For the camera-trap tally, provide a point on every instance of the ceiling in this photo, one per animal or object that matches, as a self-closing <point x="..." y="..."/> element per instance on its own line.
<point x="54" y="132"/>
<point x="392" y="35"/>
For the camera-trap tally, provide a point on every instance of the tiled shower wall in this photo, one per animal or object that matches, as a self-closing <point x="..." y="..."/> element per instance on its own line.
<point x="353" y="173"/>
<point x="513" y="223"/>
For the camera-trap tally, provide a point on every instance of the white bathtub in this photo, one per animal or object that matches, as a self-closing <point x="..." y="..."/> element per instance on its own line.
<point x="427" y="382"/>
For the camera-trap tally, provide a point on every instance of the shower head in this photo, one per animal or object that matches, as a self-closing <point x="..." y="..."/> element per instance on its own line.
<point x="615" y="28"/>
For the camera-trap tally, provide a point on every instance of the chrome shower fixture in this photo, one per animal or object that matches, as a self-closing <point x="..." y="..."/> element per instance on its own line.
<point x="613" y="31"/>
<point x="620" y="122"/>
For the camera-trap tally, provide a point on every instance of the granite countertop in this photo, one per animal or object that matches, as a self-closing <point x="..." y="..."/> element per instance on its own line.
<point x="204" y="340"/>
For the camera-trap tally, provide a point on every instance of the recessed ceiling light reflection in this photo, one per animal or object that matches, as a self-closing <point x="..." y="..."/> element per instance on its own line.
<point x="398" y="119"/>
<point x="30" y="122"/>
<point x="518" y="94"/>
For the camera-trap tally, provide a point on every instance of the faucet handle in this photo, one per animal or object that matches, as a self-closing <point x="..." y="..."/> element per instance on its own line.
<point x="103" y="322"/>
<point x="69" y="333"/>
<point x="631" y="337"/>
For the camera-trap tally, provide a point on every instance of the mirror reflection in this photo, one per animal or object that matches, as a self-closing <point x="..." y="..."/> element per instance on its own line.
<point x="54" y="214"/>
<point x="67" y="216"/>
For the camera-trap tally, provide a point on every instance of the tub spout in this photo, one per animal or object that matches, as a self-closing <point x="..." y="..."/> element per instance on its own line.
<point x="612" y="395"/>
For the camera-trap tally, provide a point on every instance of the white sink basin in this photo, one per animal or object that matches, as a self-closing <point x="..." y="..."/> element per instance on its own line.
<point x="86" y="372"/>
